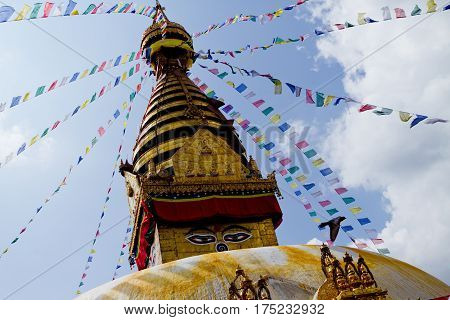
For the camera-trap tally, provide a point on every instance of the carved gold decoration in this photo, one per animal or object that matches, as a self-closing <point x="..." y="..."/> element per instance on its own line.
<point x="243" y="288"/>
<point x="348" y="283"/>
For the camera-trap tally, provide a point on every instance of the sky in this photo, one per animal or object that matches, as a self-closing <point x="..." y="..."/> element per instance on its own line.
<point x="398" y="175"/>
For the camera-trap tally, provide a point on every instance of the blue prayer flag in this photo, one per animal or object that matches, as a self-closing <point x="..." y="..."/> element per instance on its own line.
<point x="74" y="77"/>
<point x="364" y="221"/>
<point x="309" y="186"/>
<point x="15" y="101"/>
<point x="5" y="13"/>
<point x="70" y="7"/>
<point x="241" y="88"/>
<point x="284" y="127"/>
<point x="347" y="228"/>
<point x="417" y="120"/>
<point x="269" y="146"/>
<point x="21" y="149"/>
<point x="117" y="81"/>
<point x="325" y="172"/>
<point x="116" y="114"/>
<point x="298" y="193"/>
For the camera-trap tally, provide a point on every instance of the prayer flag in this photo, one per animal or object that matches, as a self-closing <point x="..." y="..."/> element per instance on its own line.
<point x="101" y="131"/>
<point x="5" y="13"/>
<point x="23" y="13"/>
<point x="267" y="111"/>
<point x="366" y="107"/>
<point x="275" y="118"/>
<point x="309" y="186"/>
<point x="348" y="200"/>
<point x="285" y="161"/>
<point x="309" y="98"/>
<point x="435" y="120"/>
<point x="317" y="194"/>
<point x="258" y="103"/>
<point x="222" y="75"/>
<point x="384" y="251"/>
<point x="355" y="210"/>
<point x="377" y="241"/>
<point x="361" y="19"/>
<point x="15" y="101"/>
<point x="241" y="88"/>
<point x="318" y="162"/>
<point x="419" y="118"/>
<point x="295" y="90"/>
<point x="399" y="13"/>
<point x="416" y="11"/>
<point x="34" y="139"/>
<point x="431" y="6"/>
<point x="325" y="203"/>
<point x="21" y="149"/>
<point x="278" y="85"/>
<point x="284" y="127"/>
<point x="332" y="211"/>
<point x="293" y="170"/>
<point x="313" y="214"/>
<point x="310" y="153"/>
<point x="383" y="112"/>
<point x="269" y="146"/>
<point x="319" y="99"/>
<point x="328" y="100"/>
<point x="308" y="206"/>
<point x="301" y="178"/>
<point x="364" y="221"/>
<point x="386" y="13"/>
<point x="70" y="7"/>
<point x="360" y="245"/>
<point x="302" y="144"/>
<point x="36" y="8"/>
<point x="347" y="228"/>
<point x="283" y="172"/>
<point x="45" y="132"/>
<point x="288" y="179"/>
<point x="341" y="190"/>
<point x="293" y="185"/>
<point x="325" y="172"/>
<point x="405" y="116"/>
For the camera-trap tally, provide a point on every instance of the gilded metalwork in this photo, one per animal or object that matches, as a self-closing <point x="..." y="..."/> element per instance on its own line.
<point x="353" y="282"/>
<point x="243" y="288"/>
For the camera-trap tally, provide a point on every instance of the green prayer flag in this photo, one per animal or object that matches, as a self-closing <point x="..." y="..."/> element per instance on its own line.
<point x="94" y="97"/>
<point x="267" y="111"/>
<point x="45" y="132"/>
<point x="40" y="91"/>
<point x="223" y="75"/>
<point x="15" y="240"/>
<point x="319" y="99"/>
<point x="332" y="211"/>
<point x="348" y="200"/>
<point x="288" y="179"/>
<point x="34" y="13"/>
<point x="93" y="70"/>
<point x="133" y="54"/>
<point x="293" y="169"/>
<point x="131" y="72"/>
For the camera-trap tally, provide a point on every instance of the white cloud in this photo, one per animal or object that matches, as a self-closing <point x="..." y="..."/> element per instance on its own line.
<point x="314" y="241"/>
<point x="409" y="167"/>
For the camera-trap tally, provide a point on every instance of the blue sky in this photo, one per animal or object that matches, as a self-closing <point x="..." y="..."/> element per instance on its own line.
<point x="30" y="57"/>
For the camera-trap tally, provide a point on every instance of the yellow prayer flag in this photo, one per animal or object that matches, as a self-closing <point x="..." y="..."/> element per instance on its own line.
<point x="293" y="185"/>
<point x="75" y="13"/>
<point x="118" y="7"/>
<point x="355" y="210"/>
<point x="124" y="105"/>
<point x="33" y="140"/>
<point x="239" y="119"/>
<point x="318" y="162"/>
<point x="23" y="13"/>
<point x="125" y="59"/>
<point x="87" y="150"/>
<point x="235" y="19"/>
<point x="231" y="84"/>
<point x="278" y="13"/>
<point x="84" y="74"/>
<point x="405" y="116"/>
<point x="85" y="103"/>
<point x="361" y="19"/>
<point x="431" y="4"/>
<point x="124" y="76"/>
<point x="267" y="152"/>
<point x="316" y="220"/>
<point x="259" y="139"/>
<point x="93" y="251"/>
<point x="26" y="97"/>
<point x="302" y="178"/>
<point x="275" y="118"/>
<point x="328" y="100"/>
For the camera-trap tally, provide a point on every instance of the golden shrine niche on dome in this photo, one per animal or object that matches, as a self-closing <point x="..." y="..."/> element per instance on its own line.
<point x="351" y="282"/>
<point x="243" y="288"/>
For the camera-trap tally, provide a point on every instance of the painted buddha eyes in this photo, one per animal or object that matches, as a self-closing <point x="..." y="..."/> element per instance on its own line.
<point x="236" y="237"/>
<point x="201" y="239"/>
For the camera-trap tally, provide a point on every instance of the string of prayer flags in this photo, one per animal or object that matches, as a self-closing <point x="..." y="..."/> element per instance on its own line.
<point x="60" y="185"/>
<point x="284" y="161"/>
<point x="262" y="18"/>
<point x="48" y="10"/>
<point x="341" y="191"/>
<point x="323" y="100"/>
<point x="125" y="243"/>
<point x="105" y="65"/>
<point x="68" y="116"/>
<point x="109" y="189"/>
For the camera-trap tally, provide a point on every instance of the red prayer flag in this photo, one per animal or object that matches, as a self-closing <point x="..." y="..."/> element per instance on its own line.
<point x="302" y="144"/>
<point x="138" y="67"/>
<point x="53" y="85"/>
<point x="341" y="190"/>
<point x="102" y="92"/>
<point x="309" y="98"/>
<point x="102" y="66"/>
<point x="23" y="230"/>
<point x="366" y="107"/>
<point x="361" y="245"/>
<point x="325" y="203"/>
<point x="203" y="87"/>
<point x="101" y="131"/>
<point x="56" y="125"/>
<point x="283" y="172"/>
<point x="377" y="241"/>
<point x="399" y="13"/>
<point x="258" y="103"/>
<point x="285" y="161"/>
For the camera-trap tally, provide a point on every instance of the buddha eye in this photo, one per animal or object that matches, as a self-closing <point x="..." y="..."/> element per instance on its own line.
<point x="201" y="239"/>
<point x="236" y="237"/>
